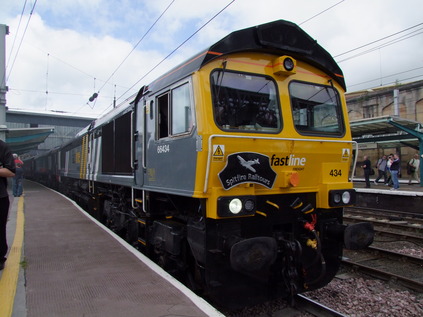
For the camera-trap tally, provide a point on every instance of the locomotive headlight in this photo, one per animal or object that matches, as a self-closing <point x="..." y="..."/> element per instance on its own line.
<point x="288" y="64"/>
<point x="346" y="198"/>
<point x="284" y="65"/>
<point x="235" y="206"/>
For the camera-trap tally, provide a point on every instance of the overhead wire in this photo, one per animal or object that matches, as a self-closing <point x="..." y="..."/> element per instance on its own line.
<point x="316" y="15"/>
<point x="123" y="61"/>
<point x="13" y="44"/>
<point x="382" y="45"/>
<point x="373" y="42"/>
<point x="379" y="47"/>
<point x="387" y="76"/>
<point x="23" y="36"/>
<point x="173" y="51"/>
<point x="135" y="46"/>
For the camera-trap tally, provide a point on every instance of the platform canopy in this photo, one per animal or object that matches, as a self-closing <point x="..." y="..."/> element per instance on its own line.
<point x="387" y="131"/>
<point x="25" y="139"/>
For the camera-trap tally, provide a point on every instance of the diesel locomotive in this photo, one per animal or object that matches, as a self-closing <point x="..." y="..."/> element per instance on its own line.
<point x="231" y="171"/>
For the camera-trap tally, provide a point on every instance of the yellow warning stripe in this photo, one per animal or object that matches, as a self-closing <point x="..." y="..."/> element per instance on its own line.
<point x="10" y="274"/>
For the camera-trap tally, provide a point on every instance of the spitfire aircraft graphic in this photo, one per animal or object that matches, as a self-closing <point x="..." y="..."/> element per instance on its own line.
<point x="248" y="164"/>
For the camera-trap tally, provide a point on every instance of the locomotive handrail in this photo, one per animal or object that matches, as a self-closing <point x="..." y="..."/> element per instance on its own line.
<point x="210" y="145"/>
<point x="355" y="160"/>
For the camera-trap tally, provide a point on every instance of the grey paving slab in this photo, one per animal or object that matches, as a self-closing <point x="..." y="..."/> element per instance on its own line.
<point x="75" y="268"/>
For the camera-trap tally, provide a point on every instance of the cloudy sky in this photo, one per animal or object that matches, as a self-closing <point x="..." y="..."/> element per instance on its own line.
<point x="59" y="52"/>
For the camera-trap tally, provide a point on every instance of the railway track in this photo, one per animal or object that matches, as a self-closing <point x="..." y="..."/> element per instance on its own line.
<point x="387" y="265"/>
<point x="401" y="222"/>
<point x="384" y="212"/>
<point x="388" y="224"/>
<point x="303" y="303"/>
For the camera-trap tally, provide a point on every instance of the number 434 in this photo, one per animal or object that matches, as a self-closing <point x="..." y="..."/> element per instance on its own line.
<point x="335" y="173"/>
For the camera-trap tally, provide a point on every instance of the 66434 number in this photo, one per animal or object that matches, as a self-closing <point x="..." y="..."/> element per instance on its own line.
<point x="163" y="148"/>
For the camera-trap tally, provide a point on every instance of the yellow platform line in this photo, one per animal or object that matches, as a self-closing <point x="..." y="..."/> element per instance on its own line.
<point x="10" y="274"/>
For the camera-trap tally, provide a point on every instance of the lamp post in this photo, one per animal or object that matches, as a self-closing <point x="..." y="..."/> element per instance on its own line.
<point x="4" y="30"/>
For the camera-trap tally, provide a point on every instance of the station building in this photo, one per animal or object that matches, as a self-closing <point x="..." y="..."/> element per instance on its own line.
<point x="32" y="133"/>
<point x="387" y="120"/>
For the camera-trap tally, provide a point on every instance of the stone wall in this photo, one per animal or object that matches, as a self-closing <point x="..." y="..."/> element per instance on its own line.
<point x="380" y="102"/>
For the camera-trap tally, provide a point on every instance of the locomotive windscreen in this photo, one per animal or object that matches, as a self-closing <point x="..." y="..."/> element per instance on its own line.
<point x="245" y="102"/>
<point x="316" y="109"/>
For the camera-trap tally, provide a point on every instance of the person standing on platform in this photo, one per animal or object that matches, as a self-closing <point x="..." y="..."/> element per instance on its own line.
<point x="388" y="169"/>
<point x="395" y="167"/>
<point x="7" y="169"/>
<point x="17" y="179"/>
<point x="413" y="168"/>
<point x="367" y="167"/>
<point x="381" y="169"/>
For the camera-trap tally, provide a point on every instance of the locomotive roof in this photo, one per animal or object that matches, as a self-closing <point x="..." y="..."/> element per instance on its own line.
<point x="279" y="37"/>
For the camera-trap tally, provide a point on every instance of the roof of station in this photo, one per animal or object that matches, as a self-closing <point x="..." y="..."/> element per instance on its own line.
<point x="26" y="139"/>
<point x="387" y="131"/>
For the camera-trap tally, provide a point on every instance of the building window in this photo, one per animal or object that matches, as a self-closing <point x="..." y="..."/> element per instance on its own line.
<point x="370" y="111"/>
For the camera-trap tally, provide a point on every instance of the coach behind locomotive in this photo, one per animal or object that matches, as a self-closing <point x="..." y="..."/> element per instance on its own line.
<point x="231" y="170"/>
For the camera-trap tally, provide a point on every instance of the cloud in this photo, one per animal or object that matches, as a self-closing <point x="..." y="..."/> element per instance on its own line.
<point x="69" y="67"/>
<point x="69" y="43"/>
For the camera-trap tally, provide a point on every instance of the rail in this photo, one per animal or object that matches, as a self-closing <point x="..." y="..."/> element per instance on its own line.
<point x="319" y="310"/>
<point x="386" y="276"/>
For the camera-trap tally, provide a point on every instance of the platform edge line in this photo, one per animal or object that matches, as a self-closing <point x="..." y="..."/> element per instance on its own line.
<point x="10" y="275"/>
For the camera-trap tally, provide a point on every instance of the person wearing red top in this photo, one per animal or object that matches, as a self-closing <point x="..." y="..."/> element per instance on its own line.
<point x="17" y="179"/>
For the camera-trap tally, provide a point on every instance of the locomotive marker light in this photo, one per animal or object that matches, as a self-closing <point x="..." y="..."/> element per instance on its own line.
<point x="249" y="205"/>
<point x="337" y="198"/>
<point x="341" y="197"/>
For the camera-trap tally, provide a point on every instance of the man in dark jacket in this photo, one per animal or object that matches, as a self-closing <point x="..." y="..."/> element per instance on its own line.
<point x="367" y="167"/>
<point x="7" y="169"/>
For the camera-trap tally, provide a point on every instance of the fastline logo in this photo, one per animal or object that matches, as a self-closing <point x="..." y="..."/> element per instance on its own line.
<point x="289" y="160"/>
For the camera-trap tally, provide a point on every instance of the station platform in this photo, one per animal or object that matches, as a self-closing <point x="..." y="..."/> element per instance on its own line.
<point x="62" y="262"/>
<point x="404" y="189"/>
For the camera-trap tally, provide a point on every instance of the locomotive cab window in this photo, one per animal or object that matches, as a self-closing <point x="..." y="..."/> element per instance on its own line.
<point x="316" y="109"/>
<point x="174" y="110"/>
<point x="245" y="102"/>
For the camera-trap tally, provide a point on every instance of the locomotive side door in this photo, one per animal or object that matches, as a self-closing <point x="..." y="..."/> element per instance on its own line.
<point x="139" y="142"/>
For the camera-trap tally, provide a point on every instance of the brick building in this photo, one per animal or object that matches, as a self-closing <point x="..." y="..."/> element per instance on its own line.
<point x="368" y="108"/>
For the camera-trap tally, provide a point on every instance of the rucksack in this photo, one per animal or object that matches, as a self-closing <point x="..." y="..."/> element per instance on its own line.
<point x="410" y="168"/>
